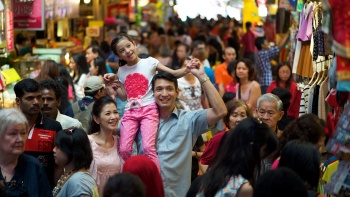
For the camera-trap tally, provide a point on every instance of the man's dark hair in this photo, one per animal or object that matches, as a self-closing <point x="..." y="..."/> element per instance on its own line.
<point x="124" y="184"/>
<point x="26" y="85"/>
<point x="96" y="49"/>
<point x="285" y="97"/>
<point x="166" y="76"/>
<point x="92" y="94"/>
<point x="52" y="85"/>
<point x="259" y="41"/>
<point x="198" y="42"/>
<point x="248" y="25"/>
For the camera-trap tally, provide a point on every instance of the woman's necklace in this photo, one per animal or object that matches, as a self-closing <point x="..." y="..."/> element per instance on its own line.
<point x="7" y="173"/>
<point x="61" y="182"/>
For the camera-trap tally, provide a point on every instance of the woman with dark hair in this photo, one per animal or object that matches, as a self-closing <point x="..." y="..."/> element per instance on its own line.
<point x="73" y="152"/>
<point x="284" y="78"/>
<point x="237" y="110"/>
<point x="79" y="68"/>
<point x="148" y="172"/>
<point x="247" y="89"/>
<point x="232" y="172"/>
<point x="104" y="143"/>
<point x="49" y="70"/>
<point x="98" y="67"/>
<point x="66" y="83"/>
<point x="303" y="158"/>
<point x="308" y="127"/>
<point x="215" y="52"/>
<point x="180" y="54"/>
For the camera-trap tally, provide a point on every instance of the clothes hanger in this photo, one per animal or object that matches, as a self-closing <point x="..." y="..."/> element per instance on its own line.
<point x="318" y="76"/>
<point x="314" y="76"/>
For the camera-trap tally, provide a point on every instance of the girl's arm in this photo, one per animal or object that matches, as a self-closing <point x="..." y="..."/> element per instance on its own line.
<point x="255" y="93"/>
<point x="121" y="92"/>
<point x="115" y="88"/>
<point x="177" y="73"/>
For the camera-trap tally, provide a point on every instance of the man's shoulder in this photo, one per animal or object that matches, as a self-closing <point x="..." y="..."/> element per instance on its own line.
<point x="51" y="124"/>
<point x="190" y="114"/>
<point x="70" y="119"/>
<point x="220" y="67"/>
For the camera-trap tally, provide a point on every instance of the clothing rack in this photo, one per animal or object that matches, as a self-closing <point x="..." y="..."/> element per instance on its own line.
<point x="324" y="60"/>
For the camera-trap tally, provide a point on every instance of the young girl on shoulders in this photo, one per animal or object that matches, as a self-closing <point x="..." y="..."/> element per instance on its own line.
<point x="133" y="83"/>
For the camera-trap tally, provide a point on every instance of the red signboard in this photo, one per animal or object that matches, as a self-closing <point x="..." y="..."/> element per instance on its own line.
<point x="28" y="15"/>
<point x="9" y="26"/>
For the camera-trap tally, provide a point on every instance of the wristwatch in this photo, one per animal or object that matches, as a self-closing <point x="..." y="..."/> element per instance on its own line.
<point x="205" y="79"/>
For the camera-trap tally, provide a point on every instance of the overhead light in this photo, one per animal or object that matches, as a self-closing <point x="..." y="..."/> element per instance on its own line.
<point x="262" y="10"/>
<point x="87" y="1"/>
<point x="142" y="3"/>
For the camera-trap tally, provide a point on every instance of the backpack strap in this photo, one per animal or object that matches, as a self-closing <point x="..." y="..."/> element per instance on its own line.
<point x="75" y="108"/>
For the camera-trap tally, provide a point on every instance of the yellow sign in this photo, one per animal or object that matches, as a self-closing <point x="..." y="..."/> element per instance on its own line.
<point x="96" y="23"/>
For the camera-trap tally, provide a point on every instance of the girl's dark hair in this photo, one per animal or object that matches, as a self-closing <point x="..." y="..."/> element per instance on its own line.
<point x="101" y="64"/>
<point x="304" y="158"/>
<point x="80" y="61"/>
<point x="114" y="43"/>
<point x="124" y="184"/>
<point x="308" y="127"/>
<point x="96" y="111"/>
<point x="278" y="79"/>
<point x="232" y="106"/>
<point x="238" y="155"/>
<point x="249" y="65"/>
<point x="75" y="143"/>
<point x="280" y="182"/>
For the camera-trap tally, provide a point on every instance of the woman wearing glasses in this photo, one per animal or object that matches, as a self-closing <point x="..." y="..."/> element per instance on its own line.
<point x="73" y="153"/>
<point x="104" y="143"/>
<point x="20" y="175"/>
<point x="284" y="79"/>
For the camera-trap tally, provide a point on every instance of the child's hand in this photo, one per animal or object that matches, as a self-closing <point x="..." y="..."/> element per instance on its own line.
<point x="192" y="64"/>
<point x="109" y="77"/>
<point x="111" y="88"/>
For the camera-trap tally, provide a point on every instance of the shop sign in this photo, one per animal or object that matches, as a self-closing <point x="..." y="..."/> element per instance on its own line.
<point x="28" y="14"/>
<point x="9" y="26"/>
<point x="93" y="31"/>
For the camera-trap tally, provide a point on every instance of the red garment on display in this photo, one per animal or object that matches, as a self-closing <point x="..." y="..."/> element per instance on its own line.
<point x="293" y="89"/>
<point x="294" y="107"/>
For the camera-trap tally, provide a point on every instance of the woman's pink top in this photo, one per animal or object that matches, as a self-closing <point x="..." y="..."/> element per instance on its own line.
<point x="274" y="165"/>
<point x="106" y="163"/>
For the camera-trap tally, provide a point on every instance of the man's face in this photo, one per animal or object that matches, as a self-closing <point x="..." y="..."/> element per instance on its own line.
<point x="30" y="103"/>
<point x="50" y="103"/>
<point x="90" y="55"/>
<point x="268" y="113"/>
<point x="165" y="94"/>
<point x="230" y="55"/>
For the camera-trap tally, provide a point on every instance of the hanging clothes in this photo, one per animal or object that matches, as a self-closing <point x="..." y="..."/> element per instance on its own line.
<point x="302" y="64"/>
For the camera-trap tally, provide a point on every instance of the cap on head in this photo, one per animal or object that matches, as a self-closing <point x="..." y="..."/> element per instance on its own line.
<point x="93" y="83"/>
<point x="133" y="34"/>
